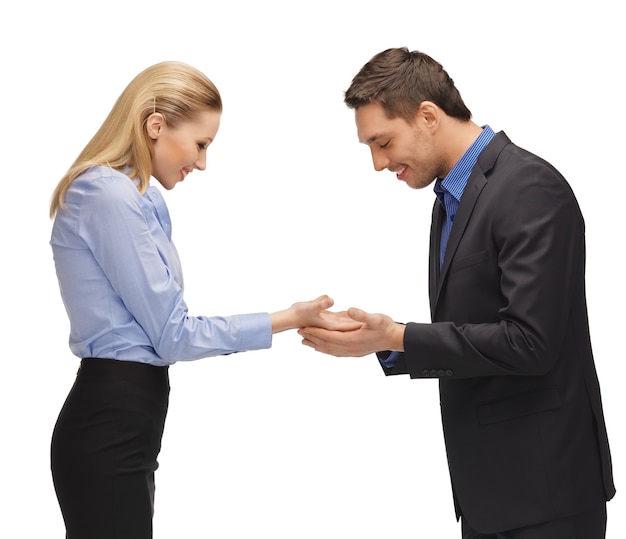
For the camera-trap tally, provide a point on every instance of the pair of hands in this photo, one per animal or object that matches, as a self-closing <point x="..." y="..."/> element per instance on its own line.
<point x="351" y="333"/>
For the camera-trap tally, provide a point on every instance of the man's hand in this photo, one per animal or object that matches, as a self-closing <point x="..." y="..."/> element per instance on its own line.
<point x="375" y="332"/>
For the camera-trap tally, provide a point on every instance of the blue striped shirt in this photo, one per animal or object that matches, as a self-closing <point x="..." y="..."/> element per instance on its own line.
<point x="450" y="189"/>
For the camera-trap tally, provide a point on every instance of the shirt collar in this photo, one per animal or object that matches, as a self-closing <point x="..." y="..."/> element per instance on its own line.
<point x="456" y="180"/>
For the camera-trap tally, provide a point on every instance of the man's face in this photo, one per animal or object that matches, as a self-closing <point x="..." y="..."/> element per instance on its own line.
<point x="408" y="149"/>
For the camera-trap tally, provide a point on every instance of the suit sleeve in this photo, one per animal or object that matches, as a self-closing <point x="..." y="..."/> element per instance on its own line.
<point x="517" y="327"/>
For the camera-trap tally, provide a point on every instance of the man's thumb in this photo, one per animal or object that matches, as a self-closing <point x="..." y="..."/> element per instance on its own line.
<point x="358" y="315"/>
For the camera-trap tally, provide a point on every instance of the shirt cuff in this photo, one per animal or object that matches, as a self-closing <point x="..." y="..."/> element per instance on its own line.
<point x="390" y="361"/>
<point x="256" y="331"/>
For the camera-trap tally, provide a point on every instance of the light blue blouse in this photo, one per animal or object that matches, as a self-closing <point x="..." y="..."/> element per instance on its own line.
<point x="122" y="284"/>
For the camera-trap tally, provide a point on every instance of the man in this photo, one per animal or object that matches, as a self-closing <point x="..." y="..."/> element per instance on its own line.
<point x="509" y="341"/>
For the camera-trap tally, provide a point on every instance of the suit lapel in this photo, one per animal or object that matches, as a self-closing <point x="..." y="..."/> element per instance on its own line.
<point x="435" y="244"/>
<point x="475" y="184"/>
<point x="472" y="191"/>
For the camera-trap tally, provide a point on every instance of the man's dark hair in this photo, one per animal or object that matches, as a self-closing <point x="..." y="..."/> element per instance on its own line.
<point x="400" y="81"/>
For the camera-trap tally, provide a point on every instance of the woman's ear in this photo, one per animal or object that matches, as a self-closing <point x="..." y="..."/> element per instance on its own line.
<point x="155" y="124"/>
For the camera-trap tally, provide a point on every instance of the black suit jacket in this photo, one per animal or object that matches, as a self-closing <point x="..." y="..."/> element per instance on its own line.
<point x="509" y="341"/>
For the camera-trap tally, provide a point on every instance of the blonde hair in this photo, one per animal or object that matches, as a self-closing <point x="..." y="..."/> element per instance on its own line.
<point x="176" y="90"/>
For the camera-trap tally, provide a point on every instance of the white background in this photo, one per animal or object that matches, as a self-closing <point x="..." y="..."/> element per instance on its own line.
<point x="288" y="443"/>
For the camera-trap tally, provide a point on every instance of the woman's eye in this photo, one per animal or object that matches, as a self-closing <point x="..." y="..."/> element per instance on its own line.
<point x="385" y="145"/>
<point x="203" y="145"/>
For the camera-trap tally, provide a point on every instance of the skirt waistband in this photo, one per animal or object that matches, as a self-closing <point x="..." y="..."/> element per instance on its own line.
<point x="114" y="368"/>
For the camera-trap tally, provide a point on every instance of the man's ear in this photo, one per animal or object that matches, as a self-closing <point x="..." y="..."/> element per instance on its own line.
<point x="155" y="124"/>
<point x="428" y="114"/>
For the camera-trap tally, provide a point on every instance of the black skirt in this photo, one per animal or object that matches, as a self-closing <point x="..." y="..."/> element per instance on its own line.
<point x="105" y="446"/>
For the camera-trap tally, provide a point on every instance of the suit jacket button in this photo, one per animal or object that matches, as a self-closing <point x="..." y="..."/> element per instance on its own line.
<point x="449" y="372"/>
<point x="441" y="373"/>
<point x="426" y="373"/>
<point x="433" y="373"/>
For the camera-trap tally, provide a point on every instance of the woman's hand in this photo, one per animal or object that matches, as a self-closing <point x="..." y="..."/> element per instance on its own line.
<point x="313" y="313"/>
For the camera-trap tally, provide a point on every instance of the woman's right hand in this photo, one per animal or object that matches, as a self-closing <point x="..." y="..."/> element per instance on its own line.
<point x="313" y="313"/>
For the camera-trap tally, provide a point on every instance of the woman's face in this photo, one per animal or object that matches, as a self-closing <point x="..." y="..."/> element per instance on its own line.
<point x="178" y="151"/>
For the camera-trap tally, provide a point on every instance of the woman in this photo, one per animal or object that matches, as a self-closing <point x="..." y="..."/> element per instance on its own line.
<point x="121" y="283"/>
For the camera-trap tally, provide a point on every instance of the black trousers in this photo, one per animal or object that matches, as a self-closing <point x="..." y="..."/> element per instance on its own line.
<point x="105" y="446"/>
<point x="589" y="525"/>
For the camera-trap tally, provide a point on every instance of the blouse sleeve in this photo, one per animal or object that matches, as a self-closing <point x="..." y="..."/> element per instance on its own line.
<point x="117" y="227"/>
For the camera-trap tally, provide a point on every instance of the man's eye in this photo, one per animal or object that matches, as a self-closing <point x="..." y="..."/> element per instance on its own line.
<point x="203" y="145"/>
<point x="385" y="145"/>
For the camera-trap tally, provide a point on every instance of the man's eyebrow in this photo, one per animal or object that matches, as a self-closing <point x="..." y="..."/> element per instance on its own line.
<point x="373" y="138"/>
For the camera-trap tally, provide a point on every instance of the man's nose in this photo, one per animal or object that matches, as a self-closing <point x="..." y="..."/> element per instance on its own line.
<point x="380" y="160"/>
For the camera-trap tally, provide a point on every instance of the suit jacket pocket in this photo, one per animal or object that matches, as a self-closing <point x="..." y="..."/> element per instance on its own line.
<point x="519" y="405"/>
<point x="468" y="261"/>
